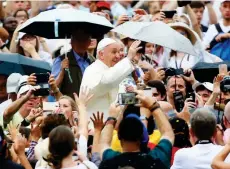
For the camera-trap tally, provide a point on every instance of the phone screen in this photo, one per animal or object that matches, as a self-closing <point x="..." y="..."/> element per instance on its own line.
<point x="148" y="92"/>
<point x="223" y="69"/>
<point x="127" y="99"/>
<point x="169" y="14"/>
<point x="42" y="78"/>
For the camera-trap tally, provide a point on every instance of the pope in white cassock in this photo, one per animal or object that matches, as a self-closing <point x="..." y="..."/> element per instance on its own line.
<point x="106" y="73"/>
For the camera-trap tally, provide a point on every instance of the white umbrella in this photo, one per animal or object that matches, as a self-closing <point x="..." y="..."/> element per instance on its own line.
<point x="60" y="23"/>
<point x="158" y="33"/>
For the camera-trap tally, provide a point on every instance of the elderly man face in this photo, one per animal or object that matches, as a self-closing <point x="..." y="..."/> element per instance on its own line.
<point x="110" y="55"/>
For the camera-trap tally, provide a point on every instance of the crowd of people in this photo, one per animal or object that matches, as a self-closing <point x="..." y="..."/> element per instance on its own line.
<point x="115" y="102"/>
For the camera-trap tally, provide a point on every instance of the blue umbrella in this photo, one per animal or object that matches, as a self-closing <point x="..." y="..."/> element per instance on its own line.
<point x="16" y="63"/>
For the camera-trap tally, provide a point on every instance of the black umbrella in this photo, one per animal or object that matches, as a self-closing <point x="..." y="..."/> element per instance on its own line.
<point x="15" y="63"/>
<point x="205" y="72"/>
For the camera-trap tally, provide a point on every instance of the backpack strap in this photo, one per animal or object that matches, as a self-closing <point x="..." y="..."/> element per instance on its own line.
<point x="218" y="28"/>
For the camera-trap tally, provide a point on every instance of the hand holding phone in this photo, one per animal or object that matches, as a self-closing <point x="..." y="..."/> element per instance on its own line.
<point x="42" y="81"/>
<point x="127" y="99"/>
<point x="223" y="69"/>
<point x="169" y="14"/>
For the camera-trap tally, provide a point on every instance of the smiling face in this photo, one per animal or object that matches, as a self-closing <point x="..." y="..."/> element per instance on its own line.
<point x="65" y="107"/>
<point x="110" y="55"/>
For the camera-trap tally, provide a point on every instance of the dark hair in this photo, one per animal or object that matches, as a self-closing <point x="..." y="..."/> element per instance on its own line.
<point x="25" y="132"/>
<point x="201" y="88"/>
<point x="50" y="122"/>
<point x="203" y="124"/>
<point x="61" y="143"/>
<point x="16" y="12"/>
<point x="20" y="50"/>
<point x="130" y="129"/>
<point x="158" y="85"/>
<point x="197" y="4"/>
<point x="181" y="131"/>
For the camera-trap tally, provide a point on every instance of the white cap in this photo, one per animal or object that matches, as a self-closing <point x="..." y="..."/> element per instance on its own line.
<point x="23" y="86"/>
<point x="12" y="82"/>
<point x="104" y="42"/>
<point x="207" y="85"/>
<point x="20" y="35"/>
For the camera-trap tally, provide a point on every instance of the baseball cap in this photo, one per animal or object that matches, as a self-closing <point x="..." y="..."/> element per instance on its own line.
<point x="12" y="82"/>
<point x="23" y="86"/>
<point x="104" y="42"/>
<point x="103" y="4"/>
<point x="207" y="85"/>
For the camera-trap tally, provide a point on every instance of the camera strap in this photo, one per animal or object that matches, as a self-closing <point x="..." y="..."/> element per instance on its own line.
<point x="203" y="142"/>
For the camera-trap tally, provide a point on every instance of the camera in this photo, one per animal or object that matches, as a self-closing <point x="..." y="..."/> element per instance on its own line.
<point x="42" y="82"/>
<point x="174" y="72"/>
<point x="225" y="84"/>
<point x="192" y="96"/>
<point x="127" y="99"/>
<point x="178" y="100"/>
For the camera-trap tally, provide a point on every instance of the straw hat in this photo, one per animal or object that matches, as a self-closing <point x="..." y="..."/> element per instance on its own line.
<point x="191" y="33"/>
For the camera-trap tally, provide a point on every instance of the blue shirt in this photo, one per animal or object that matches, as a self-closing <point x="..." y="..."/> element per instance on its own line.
<point x="82" y="62"/>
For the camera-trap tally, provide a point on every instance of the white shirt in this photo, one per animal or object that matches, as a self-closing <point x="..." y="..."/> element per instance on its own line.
<point x="212" y="32"/>
<point x="104" y="82"/>
<point x="117" y="10"/>
<point x="216" y="7"/>
<point x="45" y="57"/>
<point x="199" y="156"/>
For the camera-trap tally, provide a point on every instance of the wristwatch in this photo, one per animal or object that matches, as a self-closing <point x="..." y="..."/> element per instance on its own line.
<point x="143" y="117"/>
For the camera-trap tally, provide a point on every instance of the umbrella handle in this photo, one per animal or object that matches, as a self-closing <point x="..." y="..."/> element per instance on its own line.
<point x="56" y="27"/>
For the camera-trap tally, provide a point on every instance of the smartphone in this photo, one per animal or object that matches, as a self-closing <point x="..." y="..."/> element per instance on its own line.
<point x="42" y="81"/>
<point x="127" y="99"/>
<point x="178" y="101"/>
<point x="42" y="78"/>
<point x="192" y="96"/>
<point x="223" y="69"/>
<point x="148" y="92"/>
<point x="169" y="14"/>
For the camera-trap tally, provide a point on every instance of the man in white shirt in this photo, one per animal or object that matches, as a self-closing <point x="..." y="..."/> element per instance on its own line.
<point x="203" y="129"/>
<point x="224" y="25"/>
<point x="106" y="73"/>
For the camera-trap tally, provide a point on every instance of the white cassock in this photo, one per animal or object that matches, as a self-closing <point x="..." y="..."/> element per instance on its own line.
<point x="104" y="82"/>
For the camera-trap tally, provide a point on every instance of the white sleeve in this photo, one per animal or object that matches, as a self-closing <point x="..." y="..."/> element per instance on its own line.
<point x="209" y="36"/>
<point x="82" y="145"/>
<point x="180" y="160"/>
<point x="90" y="164"/>
<point x="106" y="80"/>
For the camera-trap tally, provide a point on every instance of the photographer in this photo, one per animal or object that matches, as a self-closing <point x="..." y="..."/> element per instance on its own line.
<point x="53" y="89"/>
<point x="21" y="108"/>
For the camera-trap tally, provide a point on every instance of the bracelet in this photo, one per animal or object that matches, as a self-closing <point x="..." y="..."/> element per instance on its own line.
<point x="3" y="46"/>
<point x="54" y="92"/>
<point x="154" y="106"/>
<point x="143" y="117"/>
<point x="111" y="120"/>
